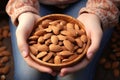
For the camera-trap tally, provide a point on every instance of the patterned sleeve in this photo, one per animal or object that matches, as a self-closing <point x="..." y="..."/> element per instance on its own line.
<point x="106" y="10"/>
<point x="16" y="7"/>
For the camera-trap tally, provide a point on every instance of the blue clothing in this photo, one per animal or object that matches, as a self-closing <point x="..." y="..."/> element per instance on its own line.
<point x="23" y="72"/>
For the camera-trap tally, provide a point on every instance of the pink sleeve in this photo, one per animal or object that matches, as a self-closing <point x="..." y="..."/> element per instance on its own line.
<point x="16" y="7"/>
<point x="106" y="10"/>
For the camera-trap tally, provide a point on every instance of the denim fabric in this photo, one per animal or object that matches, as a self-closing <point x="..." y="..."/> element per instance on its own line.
<point x="23" y="72"/>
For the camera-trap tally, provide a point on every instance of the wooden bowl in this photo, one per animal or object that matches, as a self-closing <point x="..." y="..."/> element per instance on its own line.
<point x="43" y="28"/>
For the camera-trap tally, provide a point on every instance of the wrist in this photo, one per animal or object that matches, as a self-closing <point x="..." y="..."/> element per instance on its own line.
<point x="85" y="16"/>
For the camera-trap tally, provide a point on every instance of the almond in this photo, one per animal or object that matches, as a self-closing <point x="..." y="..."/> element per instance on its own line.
<point x="79" y="32"/>
<point x="54" y="39"/>
<point x="71" y="39"/>
<point x="62" y="22"/>
<point x="79" y="51"/>
<point x="54" y="22"/>
<point x="55" y="48"/>
<point x="55" y="30"/>
<point x="73" y="33"/>
<point x="72" y="57"/>
<point x="48" y="29"/>
<point x="43" y="47"/>
<point x="41" y="39"/>
<point x="61" y="37"/>
<point x="32" y="42"/>
<point x="83" y="38"/>
<point x="65" y="60"/>
<point x="69" y="26"/>
<point x="61" y="27"/>
<point x="41" y="54"/>
<point x="47" y="36"/>
<point x="45" y="23"/>
<point x="76" y="27"/>
<point x="65" y="53"/>
<point x="57" y="60"/>
<point x="68" y="45"/>
<point x="65" y="33"/>
<point x="79" y="42"/>
<point x="33" y="37"/>
<point x="39" y="32"/>
<point x="51" y="60"/>
<point x="48" y="42"/>
<point x="34" y="50"/>
<point x="69" y="33"/>
<point x="48" y="56"/>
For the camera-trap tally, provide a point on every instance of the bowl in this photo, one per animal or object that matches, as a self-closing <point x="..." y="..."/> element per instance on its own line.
<point x="58" y="41"/>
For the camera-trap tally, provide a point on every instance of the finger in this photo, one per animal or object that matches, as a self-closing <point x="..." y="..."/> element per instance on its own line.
<point x="81" y="65"/>
<point x="95" y="43"/>
<point x="37" y="66"/>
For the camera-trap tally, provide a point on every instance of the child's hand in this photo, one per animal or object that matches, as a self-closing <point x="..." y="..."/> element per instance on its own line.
<point x="26" y="23"/>
<point x="94" y="32"/>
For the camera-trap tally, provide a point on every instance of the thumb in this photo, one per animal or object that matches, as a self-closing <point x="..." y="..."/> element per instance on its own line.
<point x="21" y="42"/>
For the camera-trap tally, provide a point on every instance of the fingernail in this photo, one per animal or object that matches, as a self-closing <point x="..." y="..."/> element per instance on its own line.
<point x="24" y="54"/>
<point x="89" y="55"/>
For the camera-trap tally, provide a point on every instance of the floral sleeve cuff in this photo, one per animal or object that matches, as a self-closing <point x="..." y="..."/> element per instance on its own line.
<point x="107" y="12"/>
<point x="21" y="10"/>
<point x="15" y="8"/>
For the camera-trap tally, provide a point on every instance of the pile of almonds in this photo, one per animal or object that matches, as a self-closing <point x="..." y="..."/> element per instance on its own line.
<point x="110" y="60"/>
<point x="57" y="41"/>
<point x="4" y="53"/>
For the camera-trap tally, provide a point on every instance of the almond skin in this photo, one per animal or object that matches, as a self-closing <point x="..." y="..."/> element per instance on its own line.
<point x="54" y="39"/>
<point x="33" y="37"/>
<point x="41" y="39"/>
<point x="47" y="36"/>
<point x="61" y="37"/>
<point x="39" y="32"/>
<point x="69" y="26"/>
<point x="34" y="50"/>
<point x="68" y="45"/>
<point x="69" y="33"/>
<point x="65" y="53"/>
<point x="76" y="27"/>
<point x="57" y="60"/>
<point x="55" y="30"/>
<point x="41" y="54"/>
<point x="79" y="42"/>
<point x="43" y="47"/>
<point x="45" y="23"/>
<point x="73" y="56"/>
<point x="48" y="56"/>
<point x="83" y="38"/>
<point x="55" y="48"/>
